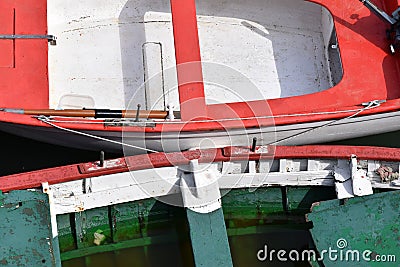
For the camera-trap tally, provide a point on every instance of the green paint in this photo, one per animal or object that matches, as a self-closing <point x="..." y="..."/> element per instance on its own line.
<point x="300" y="199"/>
<point x="88" y="223"/>
<point x="125" y="222"/>
<point x="139" y="242"/>
<point x="241" y="203"/>
<point x="25" y="230"/>
<point x="244" y="213"/>
<point x="209" y="238"/>
<point x="366" y="223"/>
<point x="65" y="235"/>
<point x="145" y="223"/>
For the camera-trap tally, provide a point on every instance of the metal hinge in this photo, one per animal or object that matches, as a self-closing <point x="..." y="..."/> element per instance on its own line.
<point x="50" y="38"/>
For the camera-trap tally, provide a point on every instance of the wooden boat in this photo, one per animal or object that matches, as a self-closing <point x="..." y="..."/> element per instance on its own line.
<point x="121" y="203"/>
<point x="286" y="72"/>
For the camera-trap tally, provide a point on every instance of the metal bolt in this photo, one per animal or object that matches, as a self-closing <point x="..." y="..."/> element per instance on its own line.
<point x="138" y="112"/>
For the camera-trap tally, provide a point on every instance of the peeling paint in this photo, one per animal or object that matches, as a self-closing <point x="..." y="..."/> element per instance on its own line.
<point x="26" y="236"/>
<point x="27" y="211"/>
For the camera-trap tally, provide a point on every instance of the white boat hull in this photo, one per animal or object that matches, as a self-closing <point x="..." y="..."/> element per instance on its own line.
<point x="295" y="134"/>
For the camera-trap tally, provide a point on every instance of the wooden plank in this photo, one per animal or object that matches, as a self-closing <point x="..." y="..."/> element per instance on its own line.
<point x="125" y="221"/>
<point x="89" y="222"/>
<point x="369" y="223"/>
<point x="240" y="203"/>
<point x="307" y="178"/>
<point x="26" y="230"/>
<point x="188" y="60"/>
<point x="120" y="188"/>
<point x="209" y="238"/>
<point x="237" y="156"/>
<point x="66" y="236"/>
<point x="300" y="199"/>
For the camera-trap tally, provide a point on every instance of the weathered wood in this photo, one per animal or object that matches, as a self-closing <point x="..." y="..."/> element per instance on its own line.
<point x="209" y="238"/>
<point x="143" y="184"/>
<point x="26" y="230"/>
<point x="361" y="224"/>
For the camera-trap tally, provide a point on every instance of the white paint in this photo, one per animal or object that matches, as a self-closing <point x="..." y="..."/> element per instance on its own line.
<point x="342" y="170"/>
<point x="115" y="189"/>
<point x="361" y="184"/>
<point x="172" y="141"/>
<point x="231" y="167"/>
<point x="53" y="215"/>
<point x="154" y="77"/>
<point x="396" y="183"/>
<point x="344" y="189"/>
<point x="282" y="165"/>
<point x="311" y="178"/>
<point x="264" y="166"/>
<point x="343" y="181"/>
<point x="199" y="188"/>
<point x="76" y="101"/>
<point x="251" y="165"/>
<point x="277" y="44"/>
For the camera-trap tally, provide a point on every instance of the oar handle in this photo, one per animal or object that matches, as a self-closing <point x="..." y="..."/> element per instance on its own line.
<point x="101" y="113"/>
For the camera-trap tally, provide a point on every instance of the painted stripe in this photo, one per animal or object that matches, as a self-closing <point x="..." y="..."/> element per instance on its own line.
<point x="188" y="60"/>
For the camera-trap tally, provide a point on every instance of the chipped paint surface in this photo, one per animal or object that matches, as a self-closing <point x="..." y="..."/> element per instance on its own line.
<point x="365" y="223"/>
<point x="108" y="164"/>
<point x="104" y="190"/>
<point x="25" y="230"/>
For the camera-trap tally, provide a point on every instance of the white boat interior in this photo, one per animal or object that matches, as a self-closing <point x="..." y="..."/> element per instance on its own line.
<point x="116" y="54"/>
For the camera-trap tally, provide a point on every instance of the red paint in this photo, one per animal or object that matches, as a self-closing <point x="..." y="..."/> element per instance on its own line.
<point x="7" y="46"/>
<point x="188" y="60"/>
<point x="23" y="67"/>
<point x="369" y="71"/>
<point x="157" y="160"/>
<point x="94" y="167"/>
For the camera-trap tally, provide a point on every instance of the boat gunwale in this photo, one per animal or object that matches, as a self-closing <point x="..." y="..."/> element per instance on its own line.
<point x="204" y="125"/>
<point x="81" y="171"/>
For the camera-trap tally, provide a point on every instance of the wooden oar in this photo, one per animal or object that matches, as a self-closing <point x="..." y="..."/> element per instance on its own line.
<point x="95" y="113"/>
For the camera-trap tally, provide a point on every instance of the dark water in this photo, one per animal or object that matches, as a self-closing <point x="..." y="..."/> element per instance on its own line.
<point x="20" y="155"/>
<point x="243" y="248"/>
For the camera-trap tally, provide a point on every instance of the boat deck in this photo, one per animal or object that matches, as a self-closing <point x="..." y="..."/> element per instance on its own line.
<point x="252" y="51"/>
<point x="106" y="51"/>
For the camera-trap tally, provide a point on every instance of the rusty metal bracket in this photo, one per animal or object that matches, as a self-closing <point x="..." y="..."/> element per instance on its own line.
<point x="50" y="38"/>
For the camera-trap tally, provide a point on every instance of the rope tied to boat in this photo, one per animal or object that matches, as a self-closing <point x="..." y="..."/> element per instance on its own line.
<point x="367" y="105"/>
<point x="44" y="119"/>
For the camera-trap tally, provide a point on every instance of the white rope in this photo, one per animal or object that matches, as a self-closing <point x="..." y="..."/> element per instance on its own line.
<point x="44" y="119"/>
<point x="372" y="104"/>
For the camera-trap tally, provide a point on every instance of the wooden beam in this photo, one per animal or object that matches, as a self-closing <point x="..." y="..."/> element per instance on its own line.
<point x="26" y="230"/>
<point x="188" y="60"/>
<point x="209" y="238"/>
